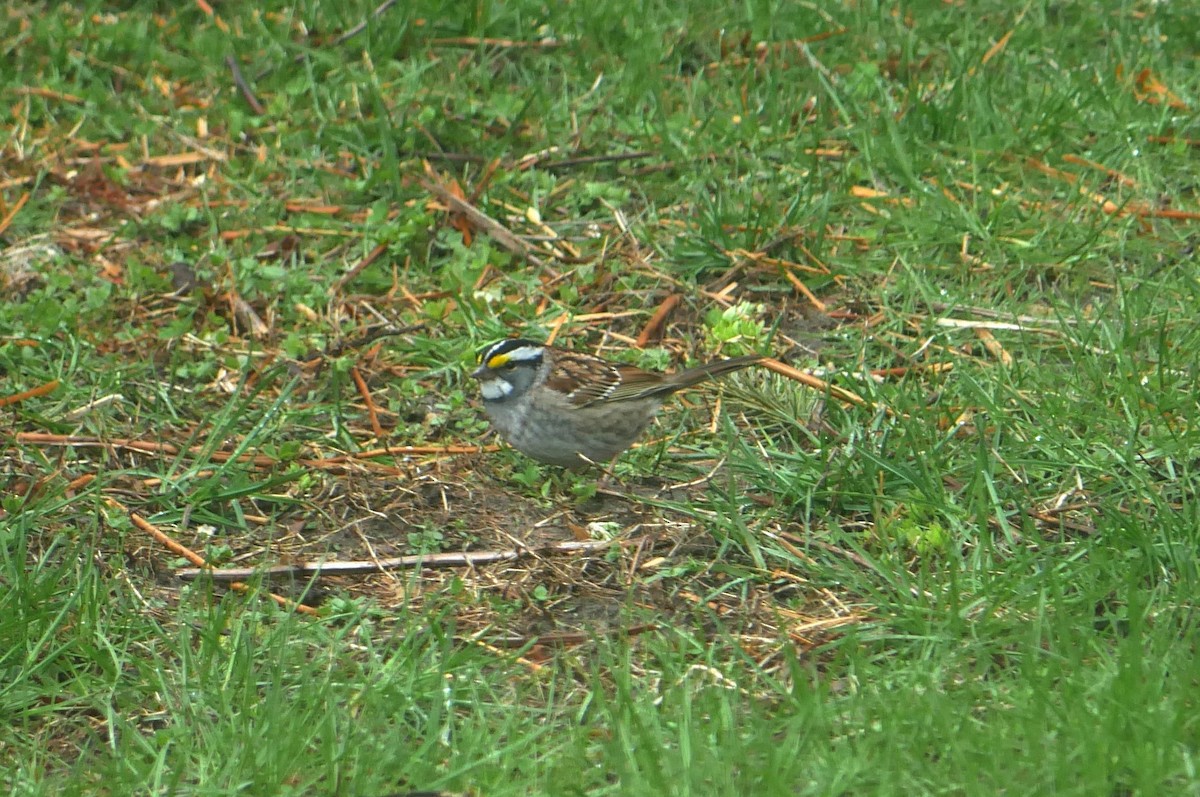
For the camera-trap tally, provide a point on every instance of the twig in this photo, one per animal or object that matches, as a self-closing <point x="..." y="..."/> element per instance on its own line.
<point x="997" y="48"/>
<point x="986" y="312"/>
<point x="905" y="370"/>
<point x="479" y="219"/>
<point x="428" y="560"/>
<point x="47" y="94"/>
<point x="360" y="27"/>
<point x="92" y="406"/>
<point x="244" y="87"/>
<point x="528" y="662"/>
<point x="565" y="638"/>
<point x="355" y="270"/>
<point x="1166" y="213"/>
<point x="963" y="323"/>
<point x="1063" y="523"/>
<point x="1113" y="173"/>
<point x="829" y="547"/>
<point x="481" y="184"/>
<point x="257" y="460"/>
<point x="791" y="541"/>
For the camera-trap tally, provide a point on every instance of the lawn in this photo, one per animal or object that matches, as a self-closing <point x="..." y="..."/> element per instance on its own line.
<point x="945" y="544"/>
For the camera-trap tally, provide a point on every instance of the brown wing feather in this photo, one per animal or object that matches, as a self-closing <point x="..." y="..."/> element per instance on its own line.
<point x="586" y="380"/>
<point x="583" y="379"/>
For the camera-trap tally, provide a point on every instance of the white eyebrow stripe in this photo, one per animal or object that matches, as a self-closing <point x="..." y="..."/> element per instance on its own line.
<point x="520" y="354"/>
<point x="489" y="351"/>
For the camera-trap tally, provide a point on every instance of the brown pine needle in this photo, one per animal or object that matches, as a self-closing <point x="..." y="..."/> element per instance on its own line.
<point x="40" y="390"/>
<point x="12" y="214"/>
<point x="996" y="48"/>
<point x="1113" y="173"/>
<point x="187" y="553"/>
<point x="799" y="285"/>
<point x="654" y="325"/>
<point x="365" y="392"/>
<point x="816" y="383"/>
<point x="993" y="346"/>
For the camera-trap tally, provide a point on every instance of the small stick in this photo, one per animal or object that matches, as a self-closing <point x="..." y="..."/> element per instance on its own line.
<point x="357" y="29"/>
<point x="996" y="48"/>
<point x="480" y="220"/>
<point x="258" y="460"/>
<point x="370" y="337"/>
<point x="905" y="370"/>
<point x="76" y="485"/>
<point x="47" y="94"/>
<point x="565" y="638"/>
<point x="452" y="157"/>
<point x="530" y="663"/>
<point x="358" y="267"/>
<point x="428" y="560"/>
<point x="481" y="184"/>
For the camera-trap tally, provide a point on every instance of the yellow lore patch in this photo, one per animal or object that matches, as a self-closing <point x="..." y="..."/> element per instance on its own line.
<point x="498" y="361"/>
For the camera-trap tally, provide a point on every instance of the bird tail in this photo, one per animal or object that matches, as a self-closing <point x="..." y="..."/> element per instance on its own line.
<point x="701" y="373"/>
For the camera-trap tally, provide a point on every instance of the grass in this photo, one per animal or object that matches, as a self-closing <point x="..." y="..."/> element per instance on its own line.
<point x="978" y="580"/>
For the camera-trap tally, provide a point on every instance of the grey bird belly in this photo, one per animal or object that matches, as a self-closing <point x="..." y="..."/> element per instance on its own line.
<point x="552" y="430"/>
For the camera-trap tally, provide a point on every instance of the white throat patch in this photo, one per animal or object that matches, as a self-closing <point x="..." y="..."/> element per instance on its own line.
<point x="493" y="389"/>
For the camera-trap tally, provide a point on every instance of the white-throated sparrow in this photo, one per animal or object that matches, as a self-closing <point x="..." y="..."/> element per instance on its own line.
<point x="571" y="409"/>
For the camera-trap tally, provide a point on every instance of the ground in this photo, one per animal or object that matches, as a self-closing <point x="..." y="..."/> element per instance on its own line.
<point x="943" y="541"/>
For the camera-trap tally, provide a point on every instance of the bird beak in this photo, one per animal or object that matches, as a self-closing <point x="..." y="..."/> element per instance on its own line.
<point x="479" y="372"/>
